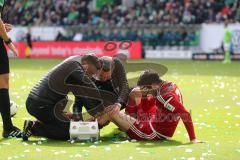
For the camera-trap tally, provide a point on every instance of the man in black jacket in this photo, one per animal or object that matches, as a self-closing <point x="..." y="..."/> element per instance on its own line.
<point x="112" y="84"/>
<point x="112" y="77"/>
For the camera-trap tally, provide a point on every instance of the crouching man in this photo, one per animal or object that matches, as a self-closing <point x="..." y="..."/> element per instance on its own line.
<point x="154" y="110"/>
<point x="112" y="83"/>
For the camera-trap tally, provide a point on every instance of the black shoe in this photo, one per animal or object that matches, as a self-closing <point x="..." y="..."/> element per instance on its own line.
<point x="12" y="133"/>
<point x="27" y="130"/>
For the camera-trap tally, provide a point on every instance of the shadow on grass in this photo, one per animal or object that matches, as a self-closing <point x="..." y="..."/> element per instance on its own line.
<point x="106" y="141"/>
<point x="113" y="138"/>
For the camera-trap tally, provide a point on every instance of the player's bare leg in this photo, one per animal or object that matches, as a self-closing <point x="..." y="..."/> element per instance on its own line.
<point x="122" y="120"/>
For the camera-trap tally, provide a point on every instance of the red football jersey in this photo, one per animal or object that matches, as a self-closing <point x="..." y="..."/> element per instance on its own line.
<point x="163" y="112"/>
<point x="143" y="111"/>
<point x="170" y="110"/>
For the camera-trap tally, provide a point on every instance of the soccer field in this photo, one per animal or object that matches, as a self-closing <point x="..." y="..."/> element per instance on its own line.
<point x="210" y="89"/>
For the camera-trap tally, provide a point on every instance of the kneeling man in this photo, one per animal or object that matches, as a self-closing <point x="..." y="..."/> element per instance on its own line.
<point x="48" y="98"/>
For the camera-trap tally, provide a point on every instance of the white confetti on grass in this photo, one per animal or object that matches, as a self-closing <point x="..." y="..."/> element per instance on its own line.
<point x="93" y="146"/>
<point x="107" y="149"/>
<point x="127" y="141"/>
<point x="234" y="98"/>
<point x="237" y="116"/>
<point x="59" y="152"/>
<point x="43" y="139"/>
<point x="227" y="107"/>
<point x="225" y="121"/>
<point x="25" y="144"/>
<point x="56" y="153"/>
<point x="38" y="150"/>
<point x="144" y="152"/>
<point x="204" y="154"/>
<point x="209" y="151"/>
<point x="77" y="155"/>
<point x="6" y="143"/>
<point x="84" y="150"/>
<point x="26" y="151"/>
<point x="188" y="150"/>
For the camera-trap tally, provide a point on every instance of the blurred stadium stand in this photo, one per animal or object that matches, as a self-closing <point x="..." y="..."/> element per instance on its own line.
<point x="112" y="12"/>
<point x="158" y="24"/>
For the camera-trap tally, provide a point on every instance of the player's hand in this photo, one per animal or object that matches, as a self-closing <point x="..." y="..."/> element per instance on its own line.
<point x="196" y="141"/>
<point x="13" y="49"/>
<point x="8" y="27"/>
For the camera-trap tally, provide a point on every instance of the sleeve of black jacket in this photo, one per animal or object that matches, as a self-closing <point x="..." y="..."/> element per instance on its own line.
<point x="77" y="107"/>
<point x="120" y="74"/>
<point x="85" y="91"/>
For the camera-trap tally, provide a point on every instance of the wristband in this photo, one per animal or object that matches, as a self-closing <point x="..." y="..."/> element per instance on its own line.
<point x="8" y="41"/>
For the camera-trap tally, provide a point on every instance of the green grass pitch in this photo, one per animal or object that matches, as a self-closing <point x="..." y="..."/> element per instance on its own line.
<point x="210" y="89"/>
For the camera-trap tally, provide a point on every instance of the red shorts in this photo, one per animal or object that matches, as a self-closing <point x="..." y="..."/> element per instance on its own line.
<point x="141" y="130"/>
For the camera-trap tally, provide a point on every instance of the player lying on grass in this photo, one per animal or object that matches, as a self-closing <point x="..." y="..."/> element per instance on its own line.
<point x="153" y="111"/>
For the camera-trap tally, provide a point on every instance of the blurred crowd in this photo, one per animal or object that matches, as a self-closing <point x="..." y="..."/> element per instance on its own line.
<point x="122" y="12"/>
<point x="154" y="37"/>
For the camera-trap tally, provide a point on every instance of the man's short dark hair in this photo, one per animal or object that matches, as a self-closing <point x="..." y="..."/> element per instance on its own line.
<point x="92" y="59"/>
<point x="106" y="63"/>
<point x="148" y="77"/>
